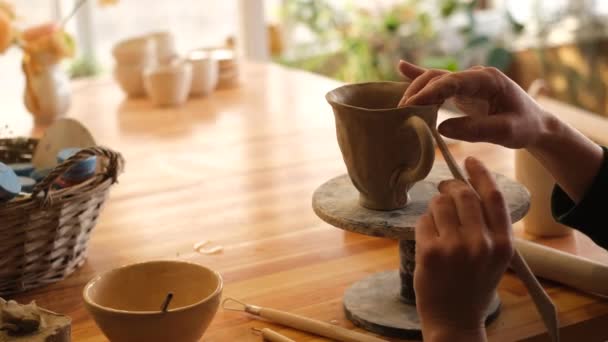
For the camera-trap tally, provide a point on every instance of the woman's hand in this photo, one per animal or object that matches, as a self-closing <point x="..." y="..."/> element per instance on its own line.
<point x="463" y="247"/>
<point x="498" y="110"/>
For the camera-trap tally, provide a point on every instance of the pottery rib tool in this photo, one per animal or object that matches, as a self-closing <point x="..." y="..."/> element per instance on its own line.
<point x="302" y="323"/>
<point x="569" y="269"/>
<point x="272" y="336"/>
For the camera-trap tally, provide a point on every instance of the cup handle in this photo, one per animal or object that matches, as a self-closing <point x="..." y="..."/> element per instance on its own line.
<point x="427" y="152"/>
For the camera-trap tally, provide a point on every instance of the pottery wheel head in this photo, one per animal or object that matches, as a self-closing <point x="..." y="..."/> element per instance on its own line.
<point x="337" y="203"/>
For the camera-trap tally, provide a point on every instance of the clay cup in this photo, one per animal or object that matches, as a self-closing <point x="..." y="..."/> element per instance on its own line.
<point x="386" y="149"/>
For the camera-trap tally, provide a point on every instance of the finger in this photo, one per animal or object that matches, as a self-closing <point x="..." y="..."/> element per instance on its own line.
<point x="481" y="83"/>
<point x="445" y="216"/>
<point x="421" y="81"/>
<point x="410" y="70"/>
<point x="498" y="129"/>
<point x="467" y="203"/>
<point x="425" y="231"/>
<point x="494" y="206"/>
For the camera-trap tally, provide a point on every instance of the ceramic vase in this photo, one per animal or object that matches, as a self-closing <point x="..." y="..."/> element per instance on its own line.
<point x="47" y="92"/>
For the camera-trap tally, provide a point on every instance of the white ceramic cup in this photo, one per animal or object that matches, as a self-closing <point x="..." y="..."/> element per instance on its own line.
<point x="169" y="84"/>
<point x="204" y="73"/>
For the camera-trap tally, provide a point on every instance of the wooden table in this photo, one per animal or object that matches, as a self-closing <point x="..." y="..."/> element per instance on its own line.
<point x="239" y="168"/>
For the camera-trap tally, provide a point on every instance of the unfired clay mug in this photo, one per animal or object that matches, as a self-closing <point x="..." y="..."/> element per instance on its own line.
<point x="386" y="149"/>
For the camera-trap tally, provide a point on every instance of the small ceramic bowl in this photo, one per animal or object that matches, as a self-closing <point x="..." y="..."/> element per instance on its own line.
<point x="135" y="51"/>
<point x="130" y="79"/>
<point x="205" y="73"/>
<point x="169" y="85"/>
<point x="126" y="302"/>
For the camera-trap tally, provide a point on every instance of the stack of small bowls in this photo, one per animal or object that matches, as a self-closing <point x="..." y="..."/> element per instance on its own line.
<point x="136" y="55"/>
<point x="149" y="65"/>
<point x="133" y="56"/>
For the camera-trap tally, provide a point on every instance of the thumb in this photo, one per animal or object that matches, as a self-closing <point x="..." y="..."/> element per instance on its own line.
<point x="497" y="129"/>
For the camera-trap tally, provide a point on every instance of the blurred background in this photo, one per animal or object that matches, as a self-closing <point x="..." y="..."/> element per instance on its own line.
<point x="562" y="41"/>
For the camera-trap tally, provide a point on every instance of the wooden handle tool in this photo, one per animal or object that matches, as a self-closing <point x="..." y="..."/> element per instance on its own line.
<point x="302" y="323"/>
<point x="272" y="336"/>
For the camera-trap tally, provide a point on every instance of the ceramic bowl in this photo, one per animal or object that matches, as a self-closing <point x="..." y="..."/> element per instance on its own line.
<point x="135" y="51"/>
<point x="130" y="78"/>
<point x="126" y="302"/>
<point x="204" y="73"/>
<point x="168" y="85"/>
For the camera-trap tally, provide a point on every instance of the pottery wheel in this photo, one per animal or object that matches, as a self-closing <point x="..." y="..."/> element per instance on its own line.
<point x="384" y="303"/>
<point x="374" y="305"/>
<point x="337" y="203"/>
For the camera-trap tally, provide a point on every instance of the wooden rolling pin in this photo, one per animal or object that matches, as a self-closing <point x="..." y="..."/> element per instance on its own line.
<point x="583" y="274"/>
<point x="302" y="323"/>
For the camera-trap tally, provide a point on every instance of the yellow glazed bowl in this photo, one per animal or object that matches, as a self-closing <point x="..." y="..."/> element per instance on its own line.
<point x="126" y="302"/>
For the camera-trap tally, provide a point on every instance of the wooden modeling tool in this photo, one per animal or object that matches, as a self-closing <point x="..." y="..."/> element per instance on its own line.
<point x="271" y="335"/>
<point x="541" y="299"/>
<point x="165" y="306"/>
<point x="301" y="323"/>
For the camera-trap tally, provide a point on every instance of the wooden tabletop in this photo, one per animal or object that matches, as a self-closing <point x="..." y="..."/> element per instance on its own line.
<point x="239" y="168"/>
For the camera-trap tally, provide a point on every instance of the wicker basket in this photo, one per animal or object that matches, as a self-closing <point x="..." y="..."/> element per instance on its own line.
<point x="43" y="238"/>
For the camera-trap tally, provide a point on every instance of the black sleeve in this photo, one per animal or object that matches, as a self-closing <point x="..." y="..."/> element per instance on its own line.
<point x="590" y="215"/>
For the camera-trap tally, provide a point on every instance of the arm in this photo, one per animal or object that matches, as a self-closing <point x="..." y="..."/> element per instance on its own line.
<point x="569" y="156"/>
<point x="501" y="112"/>
<point x="463" y="246"/>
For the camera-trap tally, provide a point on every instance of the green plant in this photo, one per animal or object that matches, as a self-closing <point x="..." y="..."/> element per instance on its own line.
<point x="497" y="55"/>
<point x="84" y="66"/>
<point x="367" y="43"/>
